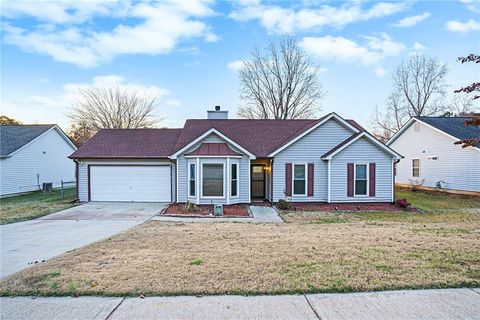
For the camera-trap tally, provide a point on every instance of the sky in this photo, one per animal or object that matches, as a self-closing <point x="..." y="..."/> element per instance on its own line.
<point x="187" y="53"/>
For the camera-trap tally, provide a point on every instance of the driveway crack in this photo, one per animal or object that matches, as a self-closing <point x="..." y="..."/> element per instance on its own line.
<point x="115" y="309"/>
<point x="311" y="307"/>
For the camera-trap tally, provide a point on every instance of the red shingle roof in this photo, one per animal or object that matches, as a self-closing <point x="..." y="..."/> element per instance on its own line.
<point x="259" y="137"/>
<point x="213" y="149"/>
<point x="129" y="143"/>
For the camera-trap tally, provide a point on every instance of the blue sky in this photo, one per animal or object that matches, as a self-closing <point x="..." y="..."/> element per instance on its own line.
<point x="186" y="52"/>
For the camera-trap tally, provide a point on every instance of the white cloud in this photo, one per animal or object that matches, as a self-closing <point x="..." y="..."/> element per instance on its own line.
<point x="417" y="48"/>
<point x="277" y="19"/>
<point x="472" y="5"/>
<point x="235" y="65"/>
<point x="412" y="20"/>
<point x="54" y="107"/>
<point x="372" y="53"/>
<point x="66" y="35"/>
<point x="463" y="27"/>
<point x="173" y="103"/>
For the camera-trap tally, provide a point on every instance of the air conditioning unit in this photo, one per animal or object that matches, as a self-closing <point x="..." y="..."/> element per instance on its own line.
<point x="47" y="187"/>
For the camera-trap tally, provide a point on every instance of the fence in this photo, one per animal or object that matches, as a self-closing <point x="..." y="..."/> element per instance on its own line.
<point x="66" y="184"/>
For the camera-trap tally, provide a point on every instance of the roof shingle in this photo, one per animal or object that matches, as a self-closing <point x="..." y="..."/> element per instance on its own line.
<point x="453" y="126"/>
<point x="13" y="137"/>
<point x="129" y="143"/>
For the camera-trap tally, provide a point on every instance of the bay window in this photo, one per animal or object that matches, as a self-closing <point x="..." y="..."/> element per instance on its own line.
<point x="191" y="180"/>
<point x="234" y="179"/>
<point x="212" y="180"/>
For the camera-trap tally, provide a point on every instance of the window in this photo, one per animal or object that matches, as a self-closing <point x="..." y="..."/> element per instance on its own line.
<point x="212" y="184"/>
<point x="191" y="180"/>
<point x="299" y="179"/>
<point x="234" y="179"/>
<point x="361" y="179"/>
<point x="415" y="167"/>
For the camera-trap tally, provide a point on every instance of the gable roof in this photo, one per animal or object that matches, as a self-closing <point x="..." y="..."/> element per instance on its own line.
<point x="129" y="143"/>
<point x="257" y="138"/>
<point x="330" y="154"/>
<point x="451" y="126"/>
<point x="14" y="137"/>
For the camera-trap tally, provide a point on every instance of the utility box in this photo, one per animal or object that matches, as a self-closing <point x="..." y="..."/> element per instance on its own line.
<point x="218" y="210"/>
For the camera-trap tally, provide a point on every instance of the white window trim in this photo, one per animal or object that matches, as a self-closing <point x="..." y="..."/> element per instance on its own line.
<point x="238" y="178"/>
<point x="419" y="167"/>
<point x="195" y="179"/>
<point x="224" y="179"/>
<point x="293" y="179"/>
<point x="367" y="176"/>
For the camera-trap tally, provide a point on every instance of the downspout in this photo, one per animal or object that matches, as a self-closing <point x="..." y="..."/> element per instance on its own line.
<point x="171" y="180"/>
<point x="76" y="180"/>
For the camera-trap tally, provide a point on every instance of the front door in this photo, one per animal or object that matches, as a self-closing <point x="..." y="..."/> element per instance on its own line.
<point x="258" y="181"/>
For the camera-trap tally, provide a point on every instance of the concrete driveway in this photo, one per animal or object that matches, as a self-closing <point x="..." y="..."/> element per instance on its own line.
<point x="24" y="243"/>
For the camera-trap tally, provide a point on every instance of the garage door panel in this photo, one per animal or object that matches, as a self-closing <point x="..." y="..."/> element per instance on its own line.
<point x="130" y="183"/>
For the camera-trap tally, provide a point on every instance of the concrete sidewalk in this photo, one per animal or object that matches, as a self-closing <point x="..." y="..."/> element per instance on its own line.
<point x="404" y="304"/>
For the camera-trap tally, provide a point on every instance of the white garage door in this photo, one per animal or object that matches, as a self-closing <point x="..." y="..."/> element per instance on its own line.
<point x="130" y="183"/>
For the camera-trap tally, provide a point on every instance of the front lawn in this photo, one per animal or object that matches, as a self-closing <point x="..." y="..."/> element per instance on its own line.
<point x="337" y="253"/>
<point x="33" y="205"/>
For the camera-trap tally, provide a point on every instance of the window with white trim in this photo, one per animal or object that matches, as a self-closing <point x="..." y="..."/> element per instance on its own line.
<point x="415" y="167"/>
<point x="361" y="180"/>
<point x="299" y="179"/>
<point x="212" y="180"/>
<point x="191" y="180"/>
<point x="234" y="179"/>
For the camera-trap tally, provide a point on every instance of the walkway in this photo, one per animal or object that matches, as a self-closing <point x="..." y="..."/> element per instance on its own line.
<point x="405" y="304"/>
<point x="260" y="215"/>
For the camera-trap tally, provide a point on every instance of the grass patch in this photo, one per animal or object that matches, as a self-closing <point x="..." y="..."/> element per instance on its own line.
<point x="34" y="205"/>
<point x="442" y="230"/>
<point x="196" y="262"/>
<point x="430" y="201"/>
<point x="259" y="259"/>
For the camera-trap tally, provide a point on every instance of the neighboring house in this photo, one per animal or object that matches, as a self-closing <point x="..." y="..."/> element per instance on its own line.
<point x="33" y="154"/>
<point x="217" y="160"/>
<point x="432" y="158"/>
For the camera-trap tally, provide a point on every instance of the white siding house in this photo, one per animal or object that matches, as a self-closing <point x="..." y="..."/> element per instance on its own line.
<point x="32" y="155"/>
<point x="431" y="157"/>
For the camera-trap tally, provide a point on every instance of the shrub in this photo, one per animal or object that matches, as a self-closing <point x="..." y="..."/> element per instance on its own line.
<point x="197" y="262"/>
<point x="189" y="206"/>
<point x="283" y="204"/>
<point x="402" y="203"/>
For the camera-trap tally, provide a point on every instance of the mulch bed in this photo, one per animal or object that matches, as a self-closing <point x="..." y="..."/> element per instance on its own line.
<point x="332" y="207"/>
<point x="230" y="211"/>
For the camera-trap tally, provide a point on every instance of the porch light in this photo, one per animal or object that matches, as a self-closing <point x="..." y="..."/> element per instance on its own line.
<point x="267" y="169"/>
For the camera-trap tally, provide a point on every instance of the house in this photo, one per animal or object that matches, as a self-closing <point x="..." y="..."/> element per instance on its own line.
<point x="431" y="157"/>
<point x="33" y="154"/>
<point x="222" y="161"/>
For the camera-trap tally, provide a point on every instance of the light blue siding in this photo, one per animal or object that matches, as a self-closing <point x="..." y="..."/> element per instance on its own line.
<point x="309" y="149"/>
<point x="244" y="177"/>
<point x="361" y="151"/>
<point x="457" y="166"/>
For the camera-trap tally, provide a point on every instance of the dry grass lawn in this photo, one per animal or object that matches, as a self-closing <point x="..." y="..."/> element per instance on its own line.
<point x="315" y="252"/>
<point x="171" y="259"/>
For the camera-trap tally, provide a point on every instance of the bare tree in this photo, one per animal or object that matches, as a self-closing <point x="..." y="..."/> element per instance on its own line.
<point x="475" y="116"/>
<point x="279" y="82"/>
<point x="101" y="108"/>
<point x="418" y="90"/>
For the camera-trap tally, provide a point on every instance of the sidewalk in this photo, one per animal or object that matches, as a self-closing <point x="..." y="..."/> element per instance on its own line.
<point x="404" y="304"/>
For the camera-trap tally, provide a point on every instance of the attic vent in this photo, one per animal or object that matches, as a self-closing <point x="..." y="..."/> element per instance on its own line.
<point x="416" y="126"/>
